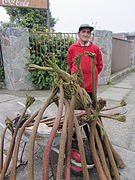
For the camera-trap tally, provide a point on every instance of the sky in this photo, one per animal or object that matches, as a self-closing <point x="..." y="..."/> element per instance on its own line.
<point x="113" y="15"/>
<point x="3" y="16"/>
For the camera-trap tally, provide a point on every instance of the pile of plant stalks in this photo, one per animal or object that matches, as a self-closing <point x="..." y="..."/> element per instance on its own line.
<point x="68" y="94"/>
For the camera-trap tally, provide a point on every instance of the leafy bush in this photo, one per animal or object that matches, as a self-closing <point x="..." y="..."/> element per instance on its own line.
<point x="41" y="45"/>
<point x="1" y="74"/>
<point x="2" y="77"/>
<point x="109" y="82"/>
<point x="133" y="70"/>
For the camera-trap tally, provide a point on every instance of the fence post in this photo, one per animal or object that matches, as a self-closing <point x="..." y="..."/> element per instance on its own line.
<point x="15" y="42"/>
<point x="103" y="39"/>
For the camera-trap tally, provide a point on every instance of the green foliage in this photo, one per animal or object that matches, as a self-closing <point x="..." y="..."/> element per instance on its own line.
<point x="133" y="70"/>
<point x="34" y="19"/>
<point x="2" y="77"/>
<point x="109" y="82"/>
<point x="1" y="74"/>
<point x="40" y="46"/>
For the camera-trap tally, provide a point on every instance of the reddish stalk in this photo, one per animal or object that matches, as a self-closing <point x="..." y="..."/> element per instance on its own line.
<point x="11" y="147"/>
<point x="52" y="136"/>
<point x="51" y="119"/>
<point x="33" y="136"/>
<point x="92" y="124"/>
<point x="62" y="144"/>
<point x="2" y="148"/>
<point x="111" y="159"/>
<point x="95" y="157"/>
<point x="117" y="158"/>
<point x="47" y="120"/>
<point x="96" y="160"/>
<point x="69" y="137"/>
<point x="81" y="150"/>
<point x="17" y="145"/>
<point x="112" y="154"/>
<point x="102" y="156"/>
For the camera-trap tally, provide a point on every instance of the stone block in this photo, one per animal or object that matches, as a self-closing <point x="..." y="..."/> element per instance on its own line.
<point x="15" y="43"/>
<point x="103" y="39"/>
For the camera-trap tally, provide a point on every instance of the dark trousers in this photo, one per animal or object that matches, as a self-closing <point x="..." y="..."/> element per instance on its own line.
<point x="85" y="127"/>
<point x="86" y="130"/>
<point x="93" y="100"/>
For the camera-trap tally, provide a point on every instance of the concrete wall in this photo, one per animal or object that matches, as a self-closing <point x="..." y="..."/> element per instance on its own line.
<point x="132" y="38"/>
<point x="15" y="42"/>
<point x="121" y="55"/>
<point x="103" y="39"/>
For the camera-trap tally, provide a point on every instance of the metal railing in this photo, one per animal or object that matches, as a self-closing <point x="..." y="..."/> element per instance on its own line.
<point x="42" y="43"/>
<point x="51" y="42"/>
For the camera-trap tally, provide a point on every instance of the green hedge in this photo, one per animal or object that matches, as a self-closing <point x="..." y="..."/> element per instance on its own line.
<point x="1" y="74"/>
<point x="41" y="45"/>
<point x="2" y="77"/>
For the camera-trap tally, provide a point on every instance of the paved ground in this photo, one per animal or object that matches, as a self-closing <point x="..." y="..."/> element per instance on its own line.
<point x="122" y="135"/>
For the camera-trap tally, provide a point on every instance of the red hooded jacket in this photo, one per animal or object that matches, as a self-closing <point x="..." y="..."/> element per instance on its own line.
<point x="77" y="48"/>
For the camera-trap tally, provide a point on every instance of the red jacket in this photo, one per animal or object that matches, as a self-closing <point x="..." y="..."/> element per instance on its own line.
<point x="75" y="49"/>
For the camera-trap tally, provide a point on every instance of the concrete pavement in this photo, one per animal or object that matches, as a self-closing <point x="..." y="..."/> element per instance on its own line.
<point x="122" y="135"/>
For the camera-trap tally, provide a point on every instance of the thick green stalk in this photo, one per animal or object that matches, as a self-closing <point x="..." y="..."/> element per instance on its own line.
<point x="121" y="118"/>
<point x="64" y="75"/>
<point x="113" y="107"/>
<point x="94" y="97"/>
<point x="34" y="67"/>
<point x="77" y="61"/>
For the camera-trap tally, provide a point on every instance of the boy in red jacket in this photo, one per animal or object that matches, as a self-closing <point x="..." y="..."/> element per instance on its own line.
<point x="83" y="45"/>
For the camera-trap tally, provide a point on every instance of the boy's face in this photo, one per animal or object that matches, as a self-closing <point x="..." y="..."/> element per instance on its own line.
<point x="84" y="34"/>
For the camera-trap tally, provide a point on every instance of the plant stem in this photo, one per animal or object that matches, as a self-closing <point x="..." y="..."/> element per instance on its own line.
<point x="17" y="144"/>
<point x="102" y="156"/>
<point x="62" y="144"/>
<point x="52" y="135"/>
<point x="117" y="158"/>
<point x="51" y="119"/>
<point x="33" y="136"/>
<point x="69" y="137"/>
<point x="111" y="159"/>
<point x="110" y="108"/>
<point x="95" y="157"/>
<point x="113" y="117"/>
<point x="11" y="148"/>
<point x="81" y="150"/>
<point x="2" y="148"/>
<point x="64" y="75"/>
<point x="94" y="98"/>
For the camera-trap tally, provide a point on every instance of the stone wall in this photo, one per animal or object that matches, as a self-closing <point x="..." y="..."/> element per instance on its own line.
<point x="15" y="42"/>
<point x="103" y="39"/>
